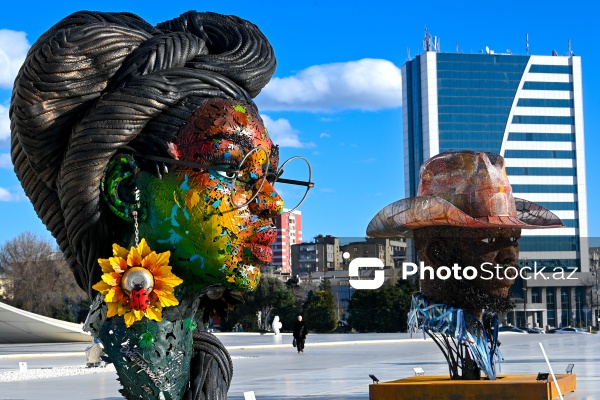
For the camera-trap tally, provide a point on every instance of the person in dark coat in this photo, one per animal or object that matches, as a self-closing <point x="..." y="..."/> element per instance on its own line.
<point x="300" y="333"/>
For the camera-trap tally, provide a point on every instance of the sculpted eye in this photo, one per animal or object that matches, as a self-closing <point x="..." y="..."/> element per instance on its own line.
<point x="229" y="174"/>
<point x="514" y="238"/>
<point x="488" y="240"/>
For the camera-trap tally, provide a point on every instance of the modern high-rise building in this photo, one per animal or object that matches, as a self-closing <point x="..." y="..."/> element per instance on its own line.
<point x="529" y="109"/>
<point x="289" y="232"/>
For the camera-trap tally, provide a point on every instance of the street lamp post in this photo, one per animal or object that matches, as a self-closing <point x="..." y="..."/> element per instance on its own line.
<point x="525" y="292"/>
<point x="345" y="256"/>
<point x="595" y="266"/>
<point x="525" y="305"/>
<point x="597" y="306"/>
<point x="577" y="310"/>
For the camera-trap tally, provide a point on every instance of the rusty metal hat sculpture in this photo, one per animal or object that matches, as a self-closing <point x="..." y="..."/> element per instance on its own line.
<point x="463" y="188"/>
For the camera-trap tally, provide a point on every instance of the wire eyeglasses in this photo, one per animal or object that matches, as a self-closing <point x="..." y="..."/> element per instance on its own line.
<point x="245" y="177"/>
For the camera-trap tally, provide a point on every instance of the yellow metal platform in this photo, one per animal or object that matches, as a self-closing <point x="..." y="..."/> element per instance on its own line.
<point x="505" y="387"/>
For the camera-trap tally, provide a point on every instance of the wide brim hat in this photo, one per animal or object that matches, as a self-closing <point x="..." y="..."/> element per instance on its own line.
<point x="463" y="188"/>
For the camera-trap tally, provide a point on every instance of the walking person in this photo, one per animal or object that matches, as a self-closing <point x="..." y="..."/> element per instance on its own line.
<point x="300" y="333"/>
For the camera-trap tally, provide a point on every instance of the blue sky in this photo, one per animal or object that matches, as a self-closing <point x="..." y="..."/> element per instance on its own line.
<point x="336" y="96"/>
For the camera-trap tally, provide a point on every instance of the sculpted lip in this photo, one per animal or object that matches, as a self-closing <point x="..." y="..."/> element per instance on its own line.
<point x="262" y="253"/>
<point x="503" y="285"/>
<point x="259" y="244"/>
<point x="264" y="236"/>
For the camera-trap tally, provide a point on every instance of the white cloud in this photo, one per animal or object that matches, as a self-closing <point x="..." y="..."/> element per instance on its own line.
<point x="322" y="135"/>
<point x="5" y="161"/>
<point x="4" y="123"/>
<point x="13" y="49"/>
<point x="6" y="195"/>
<point x="282" y="133"/>
<point x="367" y="84"/>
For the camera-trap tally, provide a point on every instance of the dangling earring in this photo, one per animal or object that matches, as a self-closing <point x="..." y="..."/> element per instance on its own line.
<point x="134" y="213"/>
<point x="130" y="276"/>
<point x="136" y="285"/>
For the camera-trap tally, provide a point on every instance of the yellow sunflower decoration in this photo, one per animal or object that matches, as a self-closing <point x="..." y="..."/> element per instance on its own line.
<point x="137" y="283"/>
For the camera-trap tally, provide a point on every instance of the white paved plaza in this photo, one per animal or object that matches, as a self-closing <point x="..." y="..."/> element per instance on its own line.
<point x="332" y="367"/>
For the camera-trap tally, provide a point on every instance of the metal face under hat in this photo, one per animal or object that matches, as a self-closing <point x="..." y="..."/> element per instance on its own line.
<point x="466" y="189"/>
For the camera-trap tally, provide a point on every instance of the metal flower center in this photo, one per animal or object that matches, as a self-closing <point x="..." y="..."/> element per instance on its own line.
<point x="137" y="277"/>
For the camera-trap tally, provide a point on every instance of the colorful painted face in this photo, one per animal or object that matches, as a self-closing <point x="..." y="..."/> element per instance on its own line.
<point x="216" y="231"/>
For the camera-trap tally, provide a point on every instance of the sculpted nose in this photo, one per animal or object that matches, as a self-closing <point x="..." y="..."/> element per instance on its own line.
<point x="508" y="255"/>
<point x="267" y="203"/>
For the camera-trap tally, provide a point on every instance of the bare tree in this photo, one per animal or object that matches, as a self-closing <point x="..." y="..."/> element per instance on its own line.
<point x="35" y="276"/>
<point x="23" y="248"/>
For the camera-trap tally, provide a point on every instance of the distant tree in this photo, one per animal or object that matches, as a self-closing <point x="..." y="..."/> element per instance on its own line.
<point x="35" y="276"/>
<point x="390" y="314"/>
<point x="307" y="299"/>
<point x="321" y="312"/>
<point x="325" y="285"/>
<point x="292" y="282"/>
<point x="381" y="310"/>
<point x="63" y="311"/>
<point x="270" y="298"/>
<point x="83" y="308"/>
<point x="25" y="248"/>
<point x="266" y="297"/>
<point x="409" y="286"/>
<point x="244" y="314"/>
<point x="287" y="308"/>
<point x="300" y="289"/>
<point x="361" y="310"/>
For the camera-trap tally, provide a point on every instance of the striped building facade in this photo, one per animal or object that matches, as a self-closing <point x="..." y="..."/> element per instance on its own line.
<point x="529" y="110"/>
<point x="289" y="232"/>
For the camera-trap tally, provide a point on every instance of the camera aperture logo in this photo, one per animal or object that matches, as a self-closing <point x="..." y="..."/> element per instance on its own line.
<point x="366" y="262"/>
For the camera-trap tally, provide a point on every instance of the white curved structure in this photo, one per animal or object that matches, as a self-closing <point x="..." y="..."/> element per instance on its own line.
<point x="18" y="326"/>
